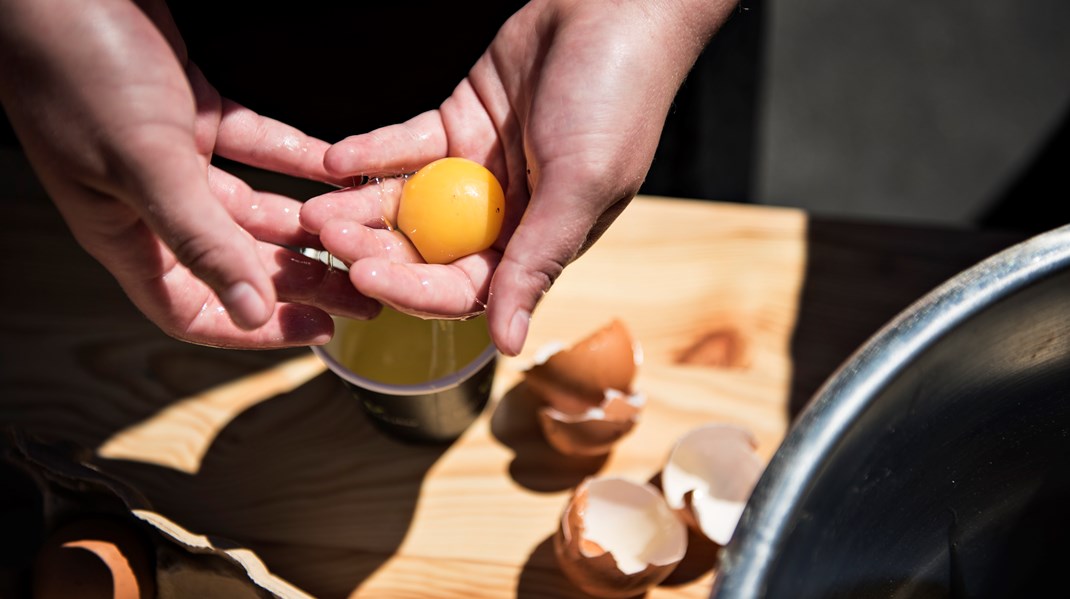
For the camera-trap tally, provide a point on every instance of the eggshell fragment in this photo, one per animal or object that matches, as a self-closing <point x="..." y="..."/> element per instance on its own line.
<point x="709" y="476"/>
<point x="575" y="379"/>
<point x="595" y="431"/>
<point x="95" y="557"/>
<point x="587" y="391"/>
<point x="618" y="538"/>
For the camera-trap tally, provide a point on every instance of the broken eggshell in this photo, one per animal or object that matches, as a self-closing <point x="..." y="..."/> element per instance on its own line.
<point x="709" y="476"/>
<point x="93" y="557"/>
<point x="587" y="392"/>
<point x="596" y="430"/>
<point x="618" y="538"/>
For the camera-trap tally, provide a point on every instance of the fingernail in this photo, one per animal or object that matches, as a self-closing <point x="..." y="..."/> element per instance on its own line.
<point x="245" y="306"/>
<point x="518" y="331"/>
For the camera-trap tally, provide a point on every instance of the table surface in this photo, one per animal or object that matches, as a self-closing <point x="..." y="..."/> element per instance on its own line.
<point x="741" y="311"/>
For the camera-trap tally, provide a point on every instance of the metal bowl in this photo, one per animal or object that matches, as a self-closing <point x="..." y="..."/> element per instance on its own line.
<point x="934" y="462"/>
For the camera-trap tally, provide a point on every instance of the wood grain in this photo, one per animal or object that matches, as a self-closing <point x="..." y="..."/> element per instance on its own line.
<point x="179" y="435"/>
<point x="263" y="450"/>
<point x="241" y="446"/>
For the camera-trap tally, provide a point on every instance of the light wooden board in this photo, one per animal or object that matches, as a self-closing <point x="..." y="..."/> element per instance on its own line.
<point x="266" y="450"/>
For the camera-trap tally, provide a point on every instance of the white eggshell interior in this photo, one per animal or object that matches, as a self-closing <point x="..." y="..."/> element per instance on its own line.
<point x="633" y="523"/>
<point x="718" y="466"/>
<point x="717" y="517"/>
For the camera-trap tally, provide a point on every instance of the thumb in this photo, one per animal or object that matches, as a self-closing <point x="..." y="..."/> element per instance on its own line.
<point x="180" y="208"/>
<point x="555" y="228"/>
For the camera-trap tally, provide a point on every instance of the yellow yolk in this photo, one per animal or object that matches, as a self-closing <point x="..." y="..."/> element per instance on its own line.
<point x="451" y="208"/>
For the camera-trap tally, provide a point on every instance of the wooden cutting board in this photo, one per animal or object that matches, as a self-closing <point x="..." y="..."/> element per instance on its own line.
<point x="267" y="451"/>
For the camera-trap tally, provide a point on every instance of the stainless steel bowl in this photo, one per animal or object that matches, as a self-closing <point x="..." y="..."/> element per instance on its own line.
<point x="934" y="462"/>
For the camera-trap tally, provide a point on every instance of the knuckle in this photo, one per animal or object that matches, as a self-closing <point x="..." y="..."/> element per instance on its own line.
<point x="538" y="275"/>
<point x="201" y="255"/>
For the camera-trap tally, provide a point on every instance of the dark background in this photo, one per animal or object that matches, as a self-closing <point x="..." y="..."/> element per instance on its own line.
<point x="336" y="69"/>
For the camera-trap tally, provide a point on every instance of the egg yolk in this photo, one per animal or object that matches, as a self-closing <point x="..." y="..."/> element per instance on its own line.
<point x="451" y="208"/>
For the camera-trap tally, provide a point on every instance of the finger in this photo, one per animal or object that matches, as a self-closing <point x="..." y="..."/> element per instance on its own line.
<point x="373" y="205"/>
<point x="550" y="235"/>
<point x="303" y="280"/>
<point x="174" y="199"/>
<point x="309" y="291"/>
<point x="247" y="137"/>
<point x="384" y="265"/>
<point x="290" y="325"/>
<point x="183" y="306"/>
<point x="390" y="150"/>
<point x="454" y="290"/>
<point x="266" y="216"/>
<point x="349" y="242"/>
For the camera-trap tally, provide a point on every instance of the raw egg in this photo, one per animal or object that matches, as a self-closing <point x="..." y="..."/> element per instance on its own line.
<point x="451" y="208"/>
<point x="618" y="538"/>
<point x="709" y="476"/>
<point x="587" y="391"/>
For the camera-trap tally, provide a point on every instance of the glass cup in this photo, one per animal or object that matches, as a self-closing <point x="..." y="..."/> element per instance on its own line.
<point x="419" y="380"/>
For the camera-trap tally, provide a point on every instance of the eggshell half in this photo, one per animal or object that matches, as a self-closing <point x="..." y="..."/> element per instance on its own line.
<point x="618" y="538"/>
<point x="587" y="392"/>
<point x="709" y="476"/>
<point x="574" y="379"/>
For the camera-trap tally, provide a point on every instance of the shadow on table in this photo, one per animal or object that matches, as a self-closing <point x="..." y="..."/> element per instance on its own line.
<point x="536" y="465"/>
<point x="305" y="481"/>
<point x="859" y="276"/>
<point x="302" y="479"/>
<point x="542" y="577"/>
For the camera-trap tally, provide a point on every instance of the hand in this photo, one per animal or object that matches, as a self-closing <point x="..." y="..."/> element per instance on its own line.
<point x="566" y="107"/>
<point x="120" y="129"/>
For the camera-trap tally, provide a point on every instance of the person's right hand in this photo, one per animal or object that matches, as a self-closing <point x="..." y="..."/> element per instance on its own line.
<point x="120" y="128"/>
<point x="566" y="107"/>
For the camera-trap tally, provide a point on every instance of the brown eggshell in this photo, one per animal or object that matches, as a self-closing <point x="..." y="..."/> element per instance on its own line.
<point x="595" y="431"/>
<point x="95" y="557"/>
<point x="575" y="379"/>
<point x="592" y="567"/>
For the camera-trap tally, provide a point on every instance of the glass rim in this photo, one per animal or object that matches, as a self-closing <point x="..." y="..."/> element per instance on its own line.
<point x="443" y="383"/>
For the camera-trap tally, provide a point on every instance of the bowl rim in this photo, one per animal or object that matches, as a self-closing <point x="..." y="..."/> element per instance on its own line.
<point x="454" y="379"/>
<point x="850" y="390"/>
